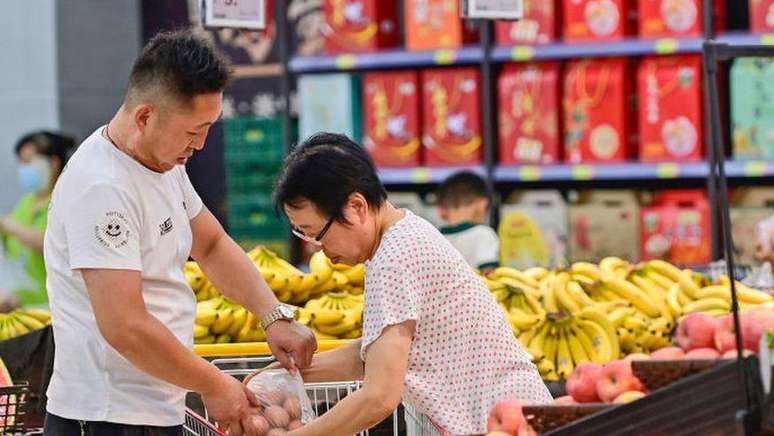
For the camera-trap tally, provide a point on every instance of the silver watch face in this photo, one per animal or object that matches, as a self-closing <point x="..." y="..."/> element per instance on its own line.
<point x="287" y="312"/>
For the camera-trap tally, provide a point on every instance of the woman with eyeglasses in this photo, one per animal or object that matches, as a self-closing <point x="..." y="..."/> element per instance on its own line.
<point x="432" y="334"/>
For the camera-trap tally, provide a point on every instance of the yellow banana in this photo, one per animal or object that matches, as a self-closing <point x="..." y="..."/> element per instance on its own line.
<point x="533" y="304"/>
<point x="242" y="335"/>
<point x="505" y="271"/>
<point x="579" y="295"/>
<point x="200" y="331"/>
<point x="549" y="296"/>
<point x="547" y="370"/>
<point x="666" y="269"/>
<point x="618" y="315"/>
<point x="322" y="336"/>
<point x="687" y="285"/>
<point x="327" y="317"/>
<point x="564" y="300"/>
<point x="586" y="342"/>
<point x="537" y="343"/>
<point x="285" y="295"/>
<point x="550" y="345"/>
<point x="582" y="280"/>
<point x="223" y="339"/>
<point x="223" y="320"/>
<point x="353" y="334"/>
<point x="209" y="339"/>
<point x="21" y="329"/>
<point x="749" y="295"/>
<point x="578" y="353"/>
<point x="706" y="304"/>
<point x="656" y="294"/>
<point x="564" y="366"/>
<point x="586" y="269"/>
<point x="41" y="315"/>
<point x="338" y="329"/>
<point x="673" y="301"/>
<point x="240" y="317"/>
<point x="634" y="323"/>
<point x="278" y="283"/>
<point x="715" y="291"/>
<point x="594" y="315"/>
<point x="28" y="321"/>
<point x="536" y="273"/>
<point x="340" y="279"/>
<point x="521" y="320"/>
<point x="614" y="266"/>
<point x="356" y="274"/>
<point x="630" y="292"/>
<point x="321" y="265"/>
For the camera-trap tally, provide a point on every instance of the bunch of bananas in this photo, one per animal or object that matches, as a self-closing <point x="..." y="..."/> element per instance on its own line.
<point x="640" y="305"/>
<point x="221" y="321"/>
<point x="201" y="286"/>
<point x="563" y="341"/>
<point x="336" y="315"/>
<point x="22" y="321"/>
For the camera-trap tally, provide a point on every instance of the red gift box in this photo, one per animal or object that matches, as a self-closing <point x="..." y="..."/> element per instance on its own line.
<point x="598" y="20"/>
<point x="539" y="25"/>
<point x="670" y="108"/>
<point x="436" y="24"/>
<point x="355" y="26"/>
<point x="528" y="113"/>
<point x="391" y="118"/>
<point x="761" y="15"/>
<point x="451" y="133"/>
<point x="598" y="112"/>
<point x="677" y="228"/>
<point x="661" y="18"/>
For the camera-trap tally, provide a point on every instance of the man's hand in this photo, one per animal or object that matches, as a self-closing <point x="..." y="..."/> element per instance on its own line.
<point x="292" y="344"/>
<point x="228" y="403"/>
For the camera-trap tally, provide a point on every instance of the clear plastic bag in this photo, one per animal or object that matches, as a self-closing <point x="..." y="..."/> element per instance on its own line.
<point x="284" y="403"/>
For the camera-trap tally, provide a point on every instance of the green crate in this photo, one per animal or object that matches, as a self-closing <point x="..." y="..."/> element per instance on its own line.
<point x="250" y="182"/>
<point x="253" y="139"/>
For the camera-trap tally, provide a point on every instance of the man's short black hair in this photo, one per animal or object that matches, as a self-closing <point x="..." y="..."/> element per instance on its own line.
<point x="326" y="169"/>
<point x="181" y="64"/>
<point x="461" y="189"/>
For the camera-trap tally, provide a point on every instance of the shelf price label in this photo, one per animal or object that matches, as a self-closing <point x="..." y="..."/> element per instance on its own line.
<point x="767" y="39"/>
<point x="523" y="53"/>
<point x="420" y="175"/>
<point x="665" y="46"/>
<point x="668" y="170"/>
<point x="582" y="172"/>
<point x="346" y="62"/>
<point x="755" y="169"/>
<point x="529" y="173"/>
<point x="444" y="57"/>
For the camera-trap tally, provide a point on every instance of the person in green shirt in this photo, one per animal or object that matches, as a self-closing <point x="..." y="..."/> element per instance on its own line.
<point x="41" y="156"/>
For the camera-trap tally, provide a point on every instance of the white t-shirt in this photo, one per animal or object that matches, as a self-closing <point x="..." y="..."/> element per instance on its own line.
<point x="464" y="357"/>
<point x="109" y="211"/>
<point x="477" y="243"/>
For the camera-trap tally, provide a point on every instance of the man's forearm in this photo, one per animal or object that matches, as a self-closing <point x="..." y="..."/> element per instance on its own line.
<point x="150" y="346"/>
<point x="341" y="364"/>
<point x="232" y="272"/>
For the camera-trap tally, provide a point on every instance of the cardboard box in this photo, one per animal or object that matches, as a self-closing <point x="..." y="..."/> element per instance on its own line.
<point x="540" y="24"/>
<point x="533" y="230"/>
<point x="356" y="26"/>
<point x="605" y="223"/>
<point x="670" y="109"/>
<point x="750" y="207"/>
<point x="752" y="108"/>
<point x="528" y="113"/>
<point x="761" y="16"/>
<point x="391" y="118"/>
<point x="599" y="120"/>
<point x="436" y="24"/>
<point x="451" y="133"/>
<point x="677" y="18"/>
<point x="329" y="103"/>
<point x="677" y="228"/>
<point x="598" y="20"/>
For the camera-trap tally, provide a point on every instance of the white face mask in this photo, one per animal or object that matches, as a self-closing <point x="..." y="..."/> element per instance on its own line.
<point x="35" y="175"/>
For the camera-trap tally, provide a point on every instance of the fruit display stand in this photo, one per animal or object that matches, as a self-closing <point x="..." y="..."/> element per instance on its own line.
<point x="250" y="349"/>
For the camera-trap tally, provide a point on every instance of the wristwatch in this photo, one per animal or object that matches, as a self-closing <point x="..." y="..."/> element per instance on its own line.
<point x="280" y="311"/>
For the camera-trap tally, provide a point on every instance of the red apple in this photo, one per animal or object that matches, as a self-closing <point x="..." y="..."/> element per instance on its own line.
<point x="616" y="378"/>
<point x="506" y="416"/>
<point x="724" y="334"/>
<point x="636" y="356"/>
<point x="696" y="330"/>
<point x="763" y="315"/>
<point x="702" y="353"/>
<point x="731" y="354"/>
<point x="668" y="353"/>
<point x="567" y="399"/>
<point x="582" y="384"/>
<point x="753" y="327"/>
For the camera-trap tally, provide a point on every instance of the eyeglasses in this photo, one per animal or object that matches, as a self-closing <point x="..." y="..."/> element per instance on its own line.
<point x="316" y="239"/>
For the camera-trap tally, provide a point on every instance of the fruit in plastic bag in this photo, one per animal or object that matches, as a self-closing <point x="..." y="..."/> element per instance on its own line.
<point x="284" y="403"/>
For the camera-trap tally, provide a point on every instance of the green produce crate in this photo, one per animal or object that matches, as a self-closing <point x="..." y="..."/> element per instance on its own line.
<point x="752" y="108"/>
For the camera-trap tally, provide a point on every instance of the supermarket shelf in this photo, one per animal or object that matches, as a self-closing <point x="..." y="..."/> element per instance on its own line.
<point x="744" y="38"/>
<point x="385" y="59"/>
<point x="628" y="171"/>
<point x="627" y="47"/>
<point x="423" y="175"/>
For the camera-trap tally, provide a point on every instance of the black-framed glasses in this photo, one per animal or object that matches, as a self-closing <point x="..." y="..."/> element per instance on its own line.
<point x="310" y="239"/>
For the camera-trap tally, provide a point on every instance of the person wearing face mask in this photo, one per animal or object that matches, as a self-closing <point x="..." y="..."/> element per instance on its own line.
<point x="41" y="156"/>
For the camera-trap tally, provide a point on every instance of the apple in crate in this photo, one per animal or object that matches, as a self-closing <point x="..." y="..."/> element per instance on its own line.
<point x="616" y="378"/>
<point x="668" y="353"/>
<point x="582" y="384"/>
<point x="567" y="399"/>
<point x="507" y="417"/>
<point x="696" y="330"/>
<point x="752" y="330"/>
<point x="731" y="354"/>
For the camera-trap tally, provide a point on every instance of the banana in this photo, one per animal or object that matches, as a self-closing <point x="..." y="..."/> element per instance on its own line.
<point x="340" y="279"/>
<point x="661" y="280"/>
<point x="338" y="329"/>
<point x="666" y="269"/>
<point x="327" y="317"/>
<point x="322" y="336"/>
<point x="223" y="339"/>
<point x="597" y="317"/>
<point x="564" y="365"/>
<point x="749" y="295"/>
<point x="579" y="295"/>
<point x="586" y="269"/>
<point x="321" y="266"/>
<point x="706" y="305"/>
<point x="41" y="315"/>
<point x="536" y="273"/>
<point x="586" y="342"/>
<point x="656" y="294"/>
<point x="626" y="339"/>
<point x="551" y="345"/>
<point x="505" y="271"/>
<point x="618" y="315"/>
<point x="209" y="339"/>
<point x="21" y="329"/>
<point x="547" y="370"/>
<point x="549" y="296"/>
<point x="28" y="321"/>
<point x="200" y="331"/>
<point x="687" y="285"/>
<point x="294" y="282"/>
<point x="206" y="312"/>
<point x="223" y="320"/>
<point x="509" y="282"/>
<point x="240" y="318"/>
<point x="285" y="296"/>
<point x="715" y="291"/>
<point x="309" y="282"/>
<point x="577" y="351"/>
<point x="522" y="321"/>
<point x="242" y="335"/>
<point x="632" y="293"/>
<point x="582" y="280"/>
<point x="682" y="297"/>
<point x="527" y="335"/>
<point x="537" y="343"/>
<point x="533" y="304"/>
<point x="562" y="295"/>
<point x="356" y="274"/>
<point x="614" y="266"/>
<point x="353" y="334"/>
<point x="278" y="283"/>
<point x="634" y="323"/>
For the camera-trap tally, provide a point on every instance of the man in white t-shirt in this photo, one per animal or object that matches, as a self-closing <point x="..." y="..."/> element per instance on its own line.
<point x="123" y="220"/>
<point x="463" y="203"/>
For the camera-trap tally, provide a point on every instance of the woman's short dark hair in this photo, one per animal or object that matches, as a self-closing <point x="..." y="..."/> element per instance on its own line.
<point x="180" y="64"/>
<point x="49" y="144"/>
<point x="326" y="169"/>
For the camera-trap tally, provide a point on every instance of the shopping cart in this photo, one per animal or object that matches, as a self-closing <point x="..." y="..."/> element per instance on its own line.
<point x="323" y="396"/>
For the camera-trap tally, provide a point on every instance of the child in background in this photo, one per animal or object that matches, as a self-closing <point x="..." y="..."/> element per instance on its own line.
<point x="463" y="203"/>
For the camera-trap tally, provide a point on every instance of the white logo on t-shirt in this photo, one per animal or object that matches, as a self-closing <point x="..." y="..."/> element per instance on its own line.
<point x="112" y="230"/>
